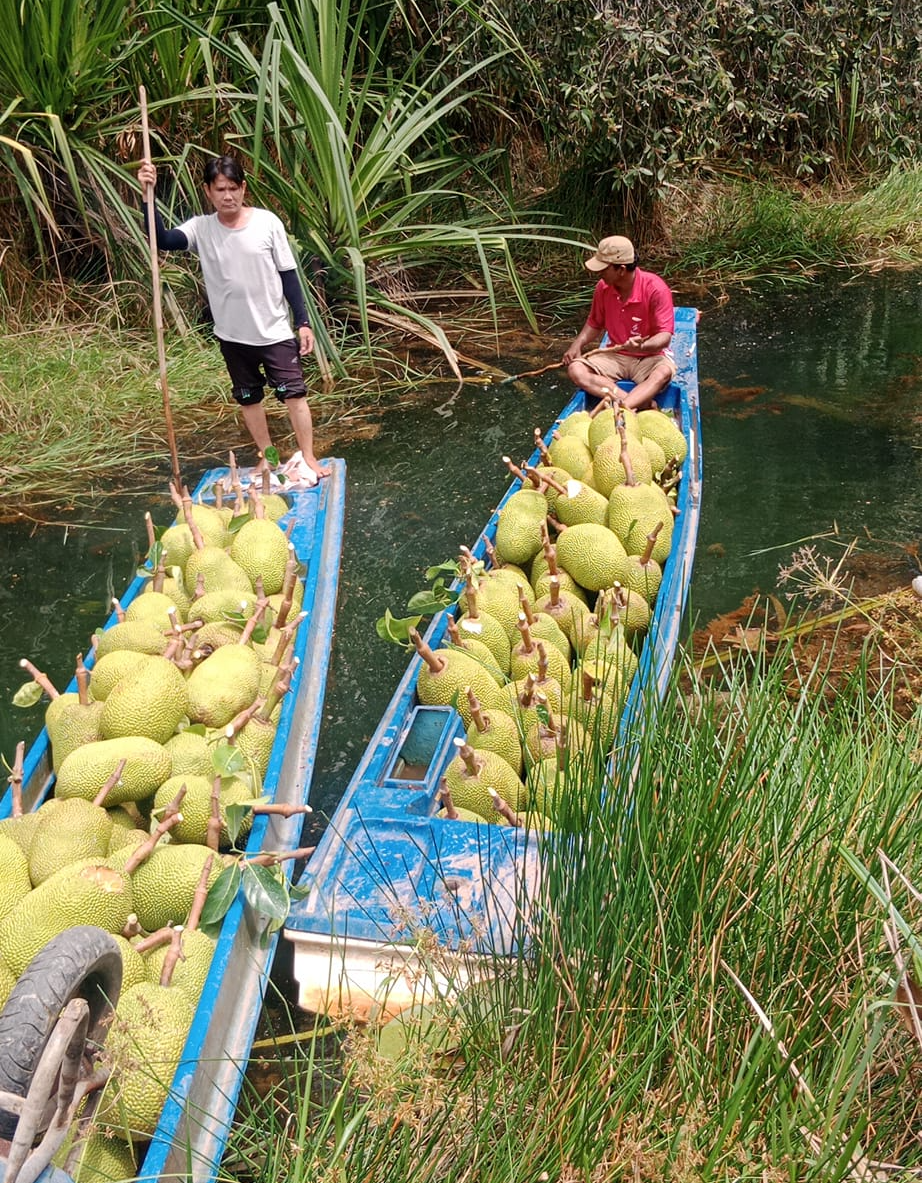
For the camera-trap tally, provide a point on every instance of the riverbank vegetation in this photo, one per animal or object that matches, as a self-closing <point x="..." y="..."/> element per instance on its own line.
<point x="721" y="980"/>
<point x="419" y="151"/>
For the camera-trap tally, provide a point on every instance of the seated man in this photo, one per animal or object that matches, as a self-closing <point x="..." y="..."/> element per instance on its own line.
<point x="634" y="308"/>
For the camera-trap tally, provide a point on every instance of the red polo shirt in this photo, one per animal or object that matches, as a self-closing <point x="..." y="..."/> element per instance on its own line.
<point x="646" y="311"/>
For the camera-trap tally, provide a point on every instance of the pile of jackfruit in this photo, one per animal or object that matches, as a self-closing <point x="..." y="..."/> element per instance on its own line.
<point x="185" y="686"/>
<point x="540" y="654"/>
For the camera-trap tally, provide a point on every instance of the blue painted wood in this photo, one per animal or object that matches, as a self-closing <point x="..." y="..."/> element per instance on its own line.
<point x="386" y="866"/>
<point x="196" y="1120"/>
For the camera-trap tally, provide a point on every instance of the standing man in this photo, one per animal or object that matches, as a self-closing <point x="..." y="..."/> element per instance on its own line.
<point x="634" y="308"/>
<point x="251" y="281"/>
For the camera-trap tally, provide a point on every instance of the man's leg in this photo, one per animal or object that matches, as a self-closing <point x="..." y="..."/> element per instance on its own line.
<point x="585" y="378"/>
<point x="254" y="419"/>
<point x="303" y="426"/>
<point x="646" y="391"/>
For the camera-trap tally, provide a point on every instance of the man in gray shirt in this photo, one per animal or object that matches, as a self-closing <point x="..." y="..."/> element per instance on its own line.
<point x="251" y="281"/>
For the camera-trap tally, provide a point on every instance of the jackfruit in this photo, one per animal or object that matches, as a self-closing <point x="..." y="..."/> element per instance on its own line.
<point x="663" y="428"/>
<point x="593" y="555"/>
<point x="470" y="775"/>
<point x="83" y="893"/>
<point x="163" y="886"/>
<point x="445" y="675"/>
<point x="191" y="971"/>
<point x="70" y="724"/>
<point x="607" y="469"/>
<point x="110" y="669"/>
<point x="634" y="511"/>
<point x="149" y="700"/>
<point x="518" y="526"/>
<point x="572" y="454"/>
<point x="224" y="603"/>
<point x="15" y="881"/>
<point x="218" y="570"/>
<point x="196" y="806"/>
<point x="222" y="685"/>
<point x="191" y="754"/>
<point x="496" y="731"/>
<point x="144" y="1047"/>
<point x="76" y="829"/>
<point x="261" y="549"/>
<point x="143" y="636"/>
<point x="97" y="1158"/>
<point x="156" y="607"/>
<point x="86" y="770"/>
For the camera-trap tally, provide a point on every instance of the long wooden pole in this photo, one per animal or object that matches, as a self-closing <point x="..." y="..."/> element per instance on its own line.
<point x="158" y="307"/>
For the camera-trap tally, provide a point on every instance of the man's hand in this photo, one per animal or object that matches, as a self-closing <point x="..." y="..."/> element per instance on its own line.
<point x="306" y="337"/>
<point x="147" y="175"/>
<point x="574" y="353"/>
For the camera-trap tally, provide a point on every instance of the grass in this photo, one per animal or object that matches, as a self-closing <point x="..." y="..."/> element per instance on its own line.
<point x="711" y="987"/>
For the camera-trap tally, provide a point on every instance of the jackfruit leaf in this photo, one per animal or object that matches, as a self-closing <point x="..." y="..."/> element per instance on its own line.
<point x="300" y="891"/>
<point x="27" y="695"/>
<point x="432" y="600"/>
<point x="451" y="568"/>
<point x="221" y="895"/>
<point x="154" y="555"/>
<point x="238" y="522"/>
<point x="272" y="456"/>
<point x="266" y="892"/>
<point x="228" y="760"/>
<point x="234" y="815"/>
<point x="543" y="714"/>
<point x="389" y="628"/>
<point x="194" y="729"/>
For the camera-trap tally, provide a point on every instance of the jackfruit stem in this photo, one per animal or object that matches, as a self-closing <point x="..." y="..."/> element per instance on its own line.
<point x="142" y="852"/>
<point x="256" y="501"/>
<point x="159" y="577"/>
<point x="149" y="525"/>
<point x="37" y="676"/>
<point x="131" y="927"/>
<point x="605" y="401"/>
<point x="266" y="482"/>
<point x="542" y="447"/>
<point x="175" y="496"/>
<point x="199" y="589"/>
<point x="162" y="936"/>
<point x="651" y="542"/>
<point x="454" y="633"/>
<point x="118" y="609"/>
<point x="503" y="808"/>
<point x="241" y="719"/>
<point x="274" y="858"/>
<point x="83" y="682"/>
<point x="288" y="633"/>
<point x="555" y="590"/>
<point x="279" y="689"/>
<point x="200" y="896"/>
<point x="525" y="606"/>
<point x="232" y="465"/>
<point x="173" y="955"/>
<point x="478" y="718"/>
<point x="435" y="663"/>
<point x="256" y="619"/>
<point x="213" y="828"/>
<point x="218" y="495"/>
<point x="547" y="479"/>
<point x="468" y="757"/>
<point x="527" y="645"/>
<point x="279" y="809"/>
<point x="100" y="798"/>
<point x="495" y="560"/>
<point x="558" y="526"/>
<point x="15" y="778"/>
<point x="542" y="661"/>
<point x="197" y="540"/>
<point x="515" y="470"/>
<point x="527" y="697"/>
<point x="444" y="795"/>
<point x="289" y="581"/>
<point x="625" y="458"/>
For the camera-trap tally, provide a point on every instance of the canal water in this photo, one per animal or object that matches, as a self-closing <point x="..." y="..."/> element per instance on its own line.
<point x="812" y="420"/>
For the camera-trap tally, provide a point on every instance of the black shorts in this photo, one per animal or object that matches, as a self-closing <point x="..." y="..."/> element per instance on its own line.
<point x="254" y="367"/>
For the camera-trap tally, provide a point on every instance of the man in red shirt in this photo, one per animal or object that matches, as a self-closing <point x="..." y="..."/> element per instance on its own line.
<point x="634" y="309"/>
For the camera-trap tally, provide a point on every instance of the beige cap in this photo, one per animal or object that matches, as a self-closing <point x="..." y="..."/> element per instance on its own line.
<point x="615" y="249"/>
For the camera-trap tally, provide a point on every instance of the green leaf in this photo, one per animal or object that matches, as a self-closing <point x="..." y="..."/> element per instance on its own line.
<point x="451" y="567"/>
<point x="272" y="456"/>
<point x="235" y="814"/>
<point x="389" y="628"/>
<point x="27" y="695"/>
<point x="428" y="602"/>
<point x="228" y="760"/>
<point x="266" y="892"/>
<point x="221" y="895"/>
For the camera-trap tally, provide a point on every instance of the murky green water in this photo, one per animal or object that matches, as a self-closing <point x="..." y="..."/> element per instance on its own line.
<point x="812" y="416"/>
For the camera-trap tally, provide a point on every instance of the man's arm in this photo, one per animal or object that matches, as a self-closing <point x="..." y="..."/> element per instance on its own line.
<point x="291" y="290"/>
<point x="587" y="335"/>
<point x="167" y="240"/>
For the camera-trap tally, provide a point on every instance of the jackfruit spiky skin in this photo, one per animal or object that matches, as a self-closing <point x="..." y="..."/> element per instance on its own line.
<point x="191" y="754"/>
<point x="134" y="964"/>
<point x="473" y="792"/>
<point x="7" y="982"/>
<point x="545" y="628"/>
<point x="607" y="469"/>
<point x="585" y="505"/>
<point x="601" y="711"/>
<point x="70" y="724"/>
<point x="215" y="635"/>
<point x="636" y="510"/>
<point x="275" y="506"/>
<point x="84" y="893"/>
<point x="500" y="598"/>
<point x="635" y="616"/>
<point x="87" y="769"/>
<point x="488" y="630"/>
<point x="604" y="426"/>
<point x="593" y="555"/>
<point x="189" y="973"/>
<point x="568" y="613"/>
<point x="97" y="1159"/>
<point x="177" y="544"/>
<point x="196" y="806"/>
<point x="218" y="570"/>
<point x="480" y="653"/>
<point x="297" y="599"/>
<point x="466" y="815"/>
<point x="643" y="578"/>
<point x="15" y="881"/>
<point x="663" y="428"/>
<point x="255" y="740"/>
<point x="567" y="585"/>
<point x="576" y="425"/>
<point x="76" y="830"/>
<point x="144" y="1046"/>
<point x="541" y="743"/>
<point x="525" y="716"/>
<point x="656" y="454"/>
<point x="163" y="886"/>
<point x="518" y="526"/>
<point x="156" y="607"/>
<point x="560" y="475"/>
<point x="20" y="830"/>
<point x="224" y="603"/>
<point x="522" y="663"/>
<point x="122" y="844"/>
<point x="175" y="589"/>
<point x="501" y="735"/>
<point x="141" y="635"/>
<point x="211" y="523"/>
<point x="149" y="700"/>
<point x="261" y="548"/>
<point x="460" y="671"/>
<point x="222" y="685"/>
<point x="109" y="671"/>
<point x="572" y="454"/>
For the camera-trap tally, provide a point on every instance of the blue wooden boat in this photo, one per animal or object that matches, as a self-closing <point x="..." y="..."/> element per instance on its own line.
<point x="196" y="1120"/>
<point x="388" y="869"/>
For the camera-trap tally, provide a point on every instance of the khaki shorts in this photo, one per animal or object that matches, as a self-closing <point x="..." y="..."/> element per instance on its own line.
<point x="611" y="364"/>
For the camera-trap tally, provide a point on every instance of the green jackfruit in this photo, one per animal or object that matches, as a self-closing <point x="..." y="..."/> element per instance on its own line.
<point x="86" y="770"/>
<point x="222" y="685"/>
<point x="149" y="700"/>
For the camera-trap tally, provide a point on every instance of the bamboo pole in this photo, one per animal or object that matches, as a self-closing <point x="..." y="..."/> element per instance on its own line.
<point x="157" y="306"/>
